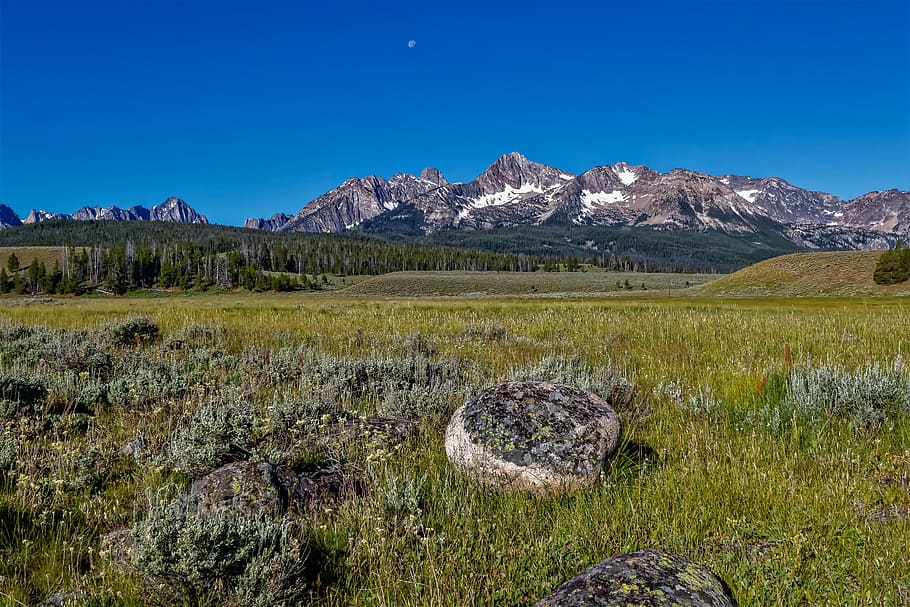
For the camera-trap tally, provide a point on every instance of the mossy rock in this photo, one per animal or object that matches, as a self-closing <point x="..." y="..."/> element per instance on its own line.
<point x="648" y="578"/>
<point x="531" y="435"/>
<point x="257" y="488"/>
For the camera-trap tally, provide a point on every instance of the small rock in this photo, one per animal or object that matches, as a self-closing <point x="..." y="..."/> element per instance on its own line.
<point x="61" y="598"/>
<point x="648" y="578"/>
<point x="538" y="436"/>
<point x="134" y="447"/>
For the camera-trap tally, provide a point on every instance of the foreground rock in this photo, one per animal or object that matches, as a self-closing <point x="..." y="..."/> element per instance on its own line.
<point x="536" y="436"/>
<point x="262" y="487"/>
<point x="648" y="578"/>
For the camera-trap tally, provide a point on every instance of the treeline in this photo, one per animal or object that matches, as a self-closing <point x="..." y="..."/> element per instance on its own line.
<point x="155" y="255"/>
<point x="893" y="265"/>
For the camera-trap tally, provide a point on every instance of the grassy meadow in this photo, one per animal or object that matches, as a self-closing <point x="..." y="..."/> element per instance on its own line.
<point x="792" y="501"/>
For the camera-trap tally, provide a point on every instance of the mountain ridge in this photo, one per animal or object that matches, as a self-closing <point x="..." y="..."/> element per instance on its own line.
<point x="173" y="209"/>
<point x="514" y="191"/>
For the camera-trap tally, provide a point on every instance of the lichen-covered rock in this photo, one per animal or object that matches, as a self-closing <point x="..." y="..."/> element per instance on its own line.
<point x="648" y="578"/>
<point x="536" y="436"/>
<point x="266" y="488"/>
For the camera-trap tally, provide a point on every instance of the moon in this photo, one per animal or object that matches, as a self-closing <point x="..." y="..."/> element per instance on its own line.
<point x="412" y="43"/>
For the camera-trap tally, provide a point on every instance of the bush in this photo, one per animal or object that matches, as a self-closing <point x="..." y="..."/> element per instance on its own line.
<point x="9" y="450"/>
<point x="133" y="331"/>
<point x="24" y="391"/>
<point x="19" y="396"/>
<point x="866" y="396"/>
<point x="224" y="557"/>
<point x="610" y="385"/>
<point x="216" y="434"/>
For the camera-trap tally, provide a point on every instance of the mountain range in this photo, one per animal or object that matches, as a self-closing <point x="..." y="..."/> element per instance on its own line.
<point x="172" y="209"/>
<point x="515" y="191"/>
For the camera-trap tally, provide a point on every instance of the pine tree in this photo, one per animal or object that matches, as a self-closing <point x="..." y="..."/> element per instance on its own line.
<point x="893" y="266"/>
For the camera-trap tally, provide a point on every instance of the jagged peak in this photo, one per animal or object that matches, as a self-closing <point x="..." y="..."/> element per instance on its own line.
<point x="433" y="175"/>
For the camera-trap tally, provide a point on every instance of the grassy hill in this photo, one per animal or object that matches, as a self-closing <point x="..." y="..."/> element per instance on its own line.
<point x="417" y="284"/>
<point x="28" y="255"/>
<point x="839" y="273"/>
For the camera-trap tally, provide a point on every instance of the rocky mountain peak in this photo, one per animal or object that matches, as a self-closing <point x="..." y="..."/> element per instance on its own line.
<point x="8" y="217"/>
<point x="433" y="175"/>
<point x="519" y="173"/>
<point x="175" y="209"/>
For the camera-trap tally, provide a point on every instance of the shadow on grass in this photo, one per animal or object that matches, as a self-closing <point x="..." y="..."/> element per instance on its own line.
<point x="632" y="459"/>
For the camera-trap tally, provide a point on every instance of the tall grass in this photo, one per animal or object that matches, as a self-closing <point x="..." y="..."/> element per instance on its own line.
<point x="766" y="439"/>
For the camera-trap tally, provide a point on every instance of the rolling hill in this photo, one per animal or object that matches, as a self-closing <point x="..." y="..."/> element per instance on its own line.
<point x="841" y="273"/>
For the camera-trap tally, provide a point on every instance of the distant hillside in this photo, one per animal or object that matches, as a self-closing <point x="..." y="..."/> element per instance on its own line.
<point x="807" y="275"/>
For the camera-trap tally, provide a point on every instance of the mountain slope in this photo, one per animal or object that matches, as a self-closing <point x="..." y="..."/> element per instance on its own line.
<point x="357" y="200"/>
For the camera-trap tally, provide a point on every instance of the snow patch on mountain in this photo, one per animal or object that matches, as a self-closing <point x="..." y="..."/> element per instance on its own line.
<point x="592" y="199"/>
<point x="505" y="196"/>
<point x="749" y="195"/>
<point x="627" y="176"/>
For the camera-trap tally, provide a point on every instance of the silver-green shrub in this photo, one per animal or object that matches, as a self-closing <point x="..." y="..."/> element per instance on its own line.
<point x="866" y="395"/>
<point x="613" y="386"/>
<point x="219" y="431"/>
<point x="222" y="558"/>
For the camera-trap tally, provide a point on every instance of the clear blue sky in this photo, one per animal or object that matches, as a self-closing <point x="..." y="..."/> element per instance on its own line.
<point x="245" y="108"/>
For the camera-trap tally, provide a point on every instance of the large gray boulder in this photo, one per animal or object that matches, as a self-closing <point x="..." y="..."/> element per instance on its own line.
<point x="535" y="436"/>
<point x="648" y="578"/>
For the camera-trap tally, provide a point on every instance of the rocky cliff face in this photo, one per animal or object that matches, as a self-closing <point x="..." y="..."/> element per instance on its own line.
<point x="355" y="201"/>
<point x="887" y="211"/>
<point x="272" y="224"/>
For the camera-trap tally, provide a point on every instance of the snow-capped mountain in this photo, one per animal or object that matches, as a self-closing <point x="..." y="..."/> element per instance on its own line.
<point x="516" y="191"/>
<point x="8" y="217"/>
<point x="172" y="209"/>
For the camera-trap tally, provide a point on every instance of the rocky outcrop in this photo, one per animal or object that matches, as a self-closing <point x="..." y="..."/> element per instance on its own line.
<point x="36" y="216"/>
<point x="536" y="436"/>
<point x="648" y="578"/>
<point x="262" y="487"/>
<point x="272" y="224"/>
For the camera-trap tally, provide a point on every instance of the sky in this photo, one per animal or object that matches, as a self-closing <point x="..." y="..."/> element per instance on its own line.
<point x="247" y="108"/>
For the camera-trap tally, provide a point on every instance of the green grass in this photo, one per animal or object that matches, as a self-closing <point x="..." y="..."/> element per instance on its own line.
<point x="841" y="273"/>
<point x="783" y="512"/>
<point x="474" y="284"/>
